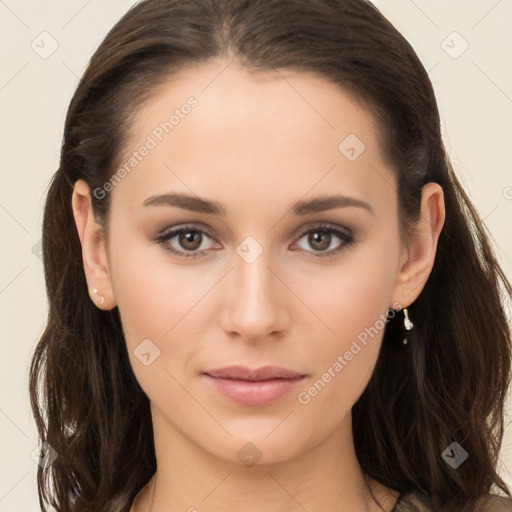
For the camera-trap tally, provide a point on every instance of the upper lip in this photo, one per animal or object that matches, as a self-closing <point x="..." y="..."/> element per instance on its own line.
<point x="261" y="373"/>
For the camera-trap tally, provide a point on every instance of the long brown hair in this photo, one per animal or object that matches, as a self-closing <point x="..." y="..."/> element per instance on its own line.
<point x="447" y="385"/>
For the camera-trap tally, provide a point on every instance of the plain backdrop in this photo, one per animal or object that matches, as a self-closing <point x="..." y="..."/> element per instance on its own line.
<point x="465" y="45"/>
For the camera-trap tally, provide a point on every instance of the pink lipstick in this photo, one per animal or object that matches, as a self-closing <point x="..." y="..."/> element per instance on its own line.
<point x="257" y="387"/>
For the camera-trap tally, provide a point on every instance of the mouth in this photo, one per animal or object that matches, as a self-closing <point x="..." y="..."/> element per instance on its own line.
<point x="258" y="387"/>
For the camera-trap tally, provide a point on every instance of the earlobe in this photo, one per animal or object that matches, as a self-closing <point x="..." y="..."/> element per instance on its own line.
<point x="415" y="271"/>
<point x="92" y="240"/>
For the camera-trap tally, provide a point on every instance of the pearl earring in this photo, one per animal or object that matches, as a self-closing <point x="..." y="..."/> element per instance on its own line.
<point x="95" y="291"/>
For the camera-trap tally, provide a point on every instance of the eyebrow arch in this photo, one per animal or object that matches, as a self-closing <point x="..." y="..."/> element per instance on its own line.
<point x="324" y="203"/>
<point x="186" y="202"/>
<point x="304" y="207"/>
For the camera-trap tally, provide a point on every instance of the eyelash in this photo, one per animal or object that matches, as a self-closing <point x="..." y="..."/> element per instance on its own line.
<point x="344" y="235"/>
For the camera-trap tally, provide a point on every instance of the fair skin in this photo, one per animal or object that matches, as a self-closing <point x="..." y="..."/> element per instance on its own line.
<point x="257" y="144"/>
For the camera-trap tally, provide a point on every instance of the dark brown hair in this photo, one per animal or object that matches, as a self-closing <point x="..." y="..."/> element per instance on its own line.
<point x="447" y="385"/>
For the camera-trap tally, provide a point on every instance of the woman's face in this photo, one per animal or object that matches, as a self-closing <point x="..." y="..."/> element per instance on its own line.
<point x="296" y="267"/>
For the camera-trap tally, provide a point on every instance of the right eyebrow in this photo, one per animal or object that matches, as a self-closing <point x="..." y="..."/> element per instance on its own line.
<point x="186" y="202"/>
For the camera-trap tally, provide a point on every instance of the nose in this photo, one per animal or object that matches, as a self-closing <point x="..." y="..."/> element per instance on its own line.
<point x="255" y="301"/>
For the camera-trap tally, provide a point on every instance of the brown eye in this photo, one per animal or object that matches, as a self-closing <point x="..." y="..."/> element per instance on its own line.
<point x="185" y="241"/>
<point x="325" y="240"/>
<point x="190" y="240"/>
<point x="319" y="240"/>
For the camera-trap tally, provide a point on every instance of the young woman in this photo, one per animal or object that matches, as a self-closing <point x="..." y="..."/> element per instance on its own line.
<point x="267" y="288"/>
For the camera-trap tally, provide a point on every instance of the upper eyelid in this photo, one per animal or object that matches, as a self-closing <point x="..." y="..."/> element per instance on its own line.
<point x="183" y="227"/>
<point x="320" y="225"/>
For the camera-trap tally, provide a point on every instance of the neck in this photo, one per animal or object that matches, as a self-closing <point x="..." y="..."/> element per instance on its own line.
<point x="326" y="477"/>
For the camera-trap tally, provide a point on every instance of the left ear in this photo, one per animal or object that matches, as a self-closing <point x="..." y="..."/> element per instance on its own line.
<point x="417" y="258"/>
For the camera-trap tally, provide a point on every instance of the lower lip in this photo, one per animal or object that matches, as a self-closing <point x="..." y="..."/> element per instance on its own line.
<point x="254" y="393"/>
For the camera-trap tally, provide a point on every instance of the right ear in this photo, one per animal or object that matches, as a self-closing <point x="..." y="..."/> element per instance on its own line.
<point x="94" y="253"/>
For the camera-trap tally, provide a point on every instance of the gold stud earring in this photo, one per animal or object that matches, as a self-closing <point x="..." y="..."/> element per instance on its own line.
<point x="94" y="291"/>
<point x="407" y="322"/>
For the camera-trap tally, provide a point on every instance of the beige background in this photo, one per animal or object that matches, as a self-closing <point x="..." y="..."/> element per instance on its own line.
<point x="475" y="99"/>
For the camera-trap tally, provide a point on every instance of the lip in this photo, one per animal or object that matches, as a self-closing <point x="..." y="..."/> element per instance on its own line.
<point x="254" y="387"/>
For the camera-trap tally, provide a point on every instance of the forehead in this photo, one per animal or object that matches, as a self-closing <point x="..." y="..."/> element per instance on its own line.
<point x="216" y="127"/>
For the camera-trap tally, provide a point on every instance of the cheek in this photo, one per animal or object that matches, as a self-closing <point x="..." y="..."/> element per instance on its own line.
<point x="164" y="303"/>
<point x="351" y="297"/>
<point x="152" y="295"/>
<point x="352" y="306"/>
<point x="153" y="302"/>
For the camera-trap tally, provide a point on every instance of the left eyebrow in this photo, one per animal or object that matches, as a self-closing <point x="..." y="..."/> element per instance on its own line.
<point x="324" y="203"/>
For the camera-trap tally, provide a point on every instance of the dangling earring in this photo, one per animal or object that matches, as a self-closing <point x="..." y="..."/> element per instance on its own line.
<point x="407" y="321"/>
<point x="407" y="324"/>
<point x="95" y="291"/>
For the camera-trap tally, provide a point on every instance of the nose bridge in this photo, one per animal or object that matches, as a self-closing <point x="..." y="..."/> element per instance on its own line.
<point x="254" y="305"/>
